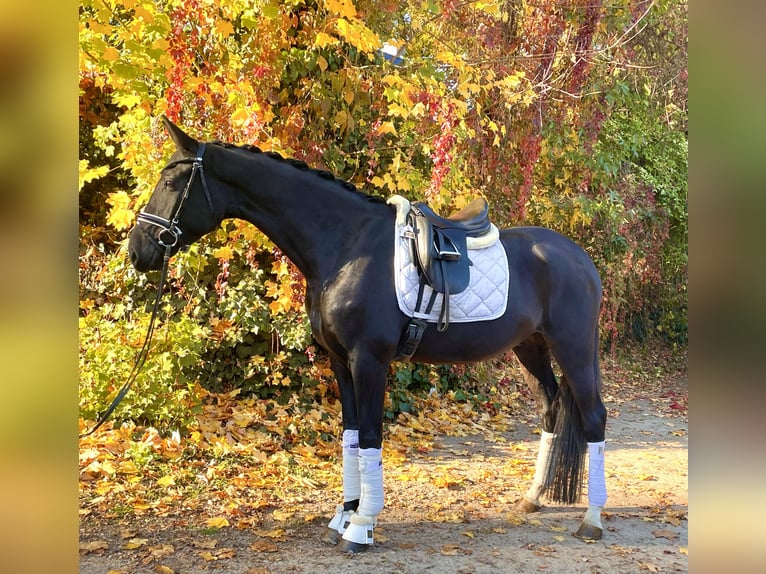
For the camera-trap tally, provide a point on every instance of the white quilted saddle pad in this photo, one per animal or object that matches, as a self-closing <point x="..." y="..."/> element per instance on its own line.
<point x="484" y="299"/>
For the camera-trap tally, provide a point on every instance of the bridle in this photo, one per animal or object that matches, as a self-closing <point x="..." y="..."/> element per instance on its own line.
<point x="171" y="232"/>
<point x="168" y="238"/>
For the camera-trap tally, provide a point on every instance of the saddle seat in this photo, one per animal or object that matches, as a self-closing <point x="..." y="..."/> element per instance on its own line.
<point x="473" y="218"/>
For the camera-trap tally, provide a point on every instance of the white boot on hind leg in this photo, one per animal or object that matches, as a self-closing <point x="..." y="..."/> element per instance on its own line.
<point x="531" y="501"/>
<point x="591" y="527"/>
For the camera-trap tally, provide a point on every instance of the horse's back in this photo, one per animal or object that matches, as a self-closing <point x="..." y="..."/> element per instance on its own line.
<point x="545" y="249"/>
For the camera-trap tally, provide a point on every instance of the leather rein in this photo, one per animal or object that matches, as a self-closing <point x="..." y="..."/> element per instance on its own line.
<point x="167" y="239"/>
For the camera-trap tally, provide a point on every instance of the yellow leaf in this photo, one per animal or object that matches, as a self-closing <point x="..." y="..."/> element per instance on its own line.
<point x="134" y="543"/>
<point x="341" y="117"/>
<point x="275" y="533"/>
<point x="217" y="522"/>
<point x="322" y="63"/>
<point x="111" y="54"/>
<point x="343" y="8"/>
<point x="224" y="28"/>
<point x="240" y="115"/>
<point x="323" y="40"/>
<point x="166" y="480"/>
<point x="224" y="253"/>
<point x="358" y="35"/>
<point x="87" y="174"/>
<point x="386" y="128"/>
<point x="283" y="515"/>
<point x="120" y="217"/>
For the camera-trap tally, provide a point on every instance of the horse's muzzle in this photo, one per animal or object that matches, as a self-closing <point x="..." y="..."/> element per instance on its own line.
<point x="145" y="254"/>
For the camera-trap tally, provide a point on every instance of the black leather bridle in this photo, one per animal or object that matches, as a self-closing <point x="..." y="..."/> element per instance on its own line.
<point x="171" y="233"/>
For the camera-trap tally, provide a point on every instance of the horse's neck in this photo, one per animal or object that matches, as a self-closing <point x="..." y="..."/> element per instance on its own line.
<point x="309" y="218"/>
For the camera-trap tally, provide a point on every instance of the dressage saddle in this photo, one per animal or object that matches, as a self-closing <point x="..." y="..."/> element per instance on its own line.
<point x="439" y="246"/>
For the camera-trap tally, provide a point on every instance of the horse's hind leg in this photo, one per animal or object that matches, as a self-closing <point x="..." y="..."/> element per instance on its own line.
<point x="534" y="354"/>
<point x="580" y="367"/>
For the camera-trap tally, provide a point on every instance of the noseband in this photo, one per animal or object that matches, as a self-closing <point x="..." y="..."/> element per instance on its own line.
<point x="171" y="233"/>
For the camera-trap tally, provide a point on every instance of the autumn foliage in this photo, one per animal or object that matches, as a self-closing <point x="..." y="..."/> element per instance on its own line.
<point x="568" y="114"/>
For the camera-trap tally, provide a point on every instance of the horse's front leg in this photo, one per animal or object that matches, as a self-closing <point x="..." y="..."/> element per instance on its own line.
<point x="350" y="441"/>
<point x="369" y="375"/>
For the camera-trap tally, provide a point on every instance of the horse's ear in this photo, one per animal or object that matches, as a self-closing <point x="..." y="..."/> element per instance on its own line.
<point x="182" y="140"/>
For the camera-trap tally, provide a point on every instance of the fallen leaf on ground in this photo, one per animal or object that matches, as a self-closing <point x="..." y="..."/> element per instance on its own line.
<point x="665" y="533"/>
<point x="161" y="550"/>
<point x="134" y="543"/>
<point x="93" y="546"/>
<point x="217" y="522"/>
<point x="455" y="550"/>
<point x="264" y="546"/>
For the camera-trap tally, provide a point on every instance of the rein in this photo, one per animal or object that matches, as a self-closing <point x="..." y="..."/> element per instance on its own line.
<point x="169" y="226"/>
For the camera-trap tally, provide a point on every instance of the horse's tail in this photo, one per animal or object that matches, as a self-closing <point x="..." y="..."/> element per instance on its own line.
<point x="566" y="465"/>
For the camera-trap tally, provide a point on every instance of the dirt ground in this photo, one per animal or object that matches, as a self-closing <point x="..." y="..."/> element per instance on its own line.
<point x="463" y="524"/>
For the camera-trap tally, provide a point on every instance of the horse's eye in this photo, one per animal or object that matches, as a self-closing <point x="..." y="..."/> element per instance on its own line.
<point x="169" y="185"/>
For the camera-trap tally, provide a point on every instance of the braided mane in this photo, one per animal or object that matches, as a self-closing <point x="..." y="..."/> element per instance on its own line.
<point x="300" y="165"/>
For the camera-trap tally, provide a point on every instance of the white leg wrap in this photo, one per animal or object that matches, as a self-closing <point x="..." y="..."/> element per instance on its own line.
<point x="591" y="528"/>
<point x="541" y="467"/>
<point x="360" y="530"/>
<point x="351" y="478"/>
<point x="371" y="471"/>
<point x="596" y="474"/>
<point x="352" y="489"/>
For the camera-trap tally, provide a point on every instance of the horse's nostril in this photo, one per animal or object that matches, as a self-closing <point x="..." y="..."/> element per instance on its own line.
<point x="133" y="256"/>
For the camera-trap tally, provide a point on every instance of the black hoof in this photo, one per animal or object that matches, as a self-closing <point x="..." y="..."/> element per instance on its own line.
<point x="331" y="537"/>
<point x="352" y="547"/>
<point x="526" y="507"/>
<point x="588" y="532"/>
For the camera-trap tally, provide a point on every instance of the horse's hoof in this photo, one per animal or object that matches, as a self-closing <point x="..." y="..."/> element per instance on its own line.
<point x="351" y="547"/>
<point x="588" y="532"/>
<point x="331" y="537"/>
<point x="526" y="507"/>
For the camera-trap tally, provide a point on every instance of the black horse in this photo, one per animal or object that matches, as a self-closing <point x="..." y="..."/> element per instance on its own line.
<point x="342" y="241"/>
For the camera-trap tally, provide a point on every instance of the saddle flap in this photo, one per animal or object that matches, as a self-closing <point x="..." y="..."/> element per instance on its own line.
<point x="442" y="256"/>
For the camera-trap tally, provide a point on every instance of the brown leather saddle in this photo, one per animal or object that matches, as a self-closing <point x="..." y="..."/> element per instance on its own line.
<point x="439" y="246"/>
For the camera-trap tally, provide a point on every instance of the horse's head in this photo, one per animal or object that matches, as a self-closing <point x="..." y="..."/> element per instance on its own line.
<point x="181" y="208"/>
